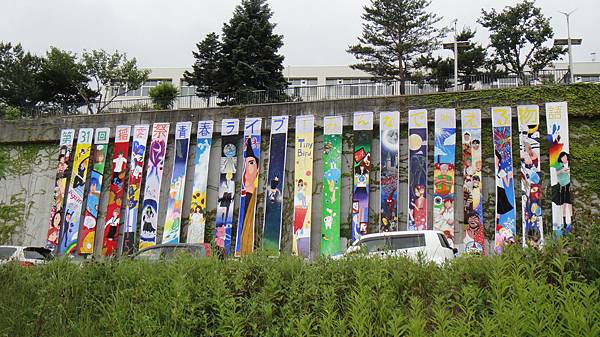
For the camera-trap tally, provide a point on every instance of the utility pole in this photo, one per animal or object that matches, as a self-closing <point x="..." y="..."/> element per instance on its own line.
<point x="567" y="15"/>
<point x="455" y="57"/>
<point x="454" y="45"/>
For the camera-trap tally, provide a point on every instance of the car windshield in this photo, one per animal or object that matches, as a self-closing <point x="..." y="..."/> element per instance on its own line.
<point x="33" y="254"/>
<point x="407" y="241"/>
<point x="374" y="245"/>
<point x="7" y="252"/>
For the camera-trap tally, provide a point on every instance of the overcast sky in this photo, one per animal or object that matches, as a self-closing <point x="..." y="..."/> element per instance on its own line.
<point x="316" y="32"/>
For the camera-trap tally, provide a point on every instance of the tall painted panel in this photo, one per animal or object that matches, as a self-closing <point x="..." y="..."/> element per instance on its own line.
<point x="505" y="193"/>
<point x="474" y="239"/>
<point x="444" y="171"/>
<point x="332" y="181"/>
<point x="417" y="170"/>
<point x="557" y="121"/>
<point x="275" y="184"/>
<point x="303" y="176"/>
<point x="74" y="204"/>
<point x="389" y="123"/>
<point x="197" y="224"/>
<point x="172" y="228"/>
<point x="92" y="205"/>
<point x="154" y="173"/>
<point x="60" y="185"/>
<point x="115" y="192"/>
<point x="363" y="134"/>
<point x="228" y="167"/>
<point x="136" y="169"/>
<point x="244" y="243"/>
<point x="531" y="178"/>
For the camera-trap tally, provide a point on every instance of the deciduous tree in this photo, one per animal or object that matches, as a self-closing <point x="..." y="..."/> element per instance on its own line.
<point x="111" y="71"/>
<point x="518" y="34"/>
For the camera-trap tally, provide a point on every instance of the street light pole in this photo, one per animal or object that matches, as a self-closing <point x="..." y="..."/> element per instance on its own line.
<point x="567" y="15"/>
<point x="455" y="57"/>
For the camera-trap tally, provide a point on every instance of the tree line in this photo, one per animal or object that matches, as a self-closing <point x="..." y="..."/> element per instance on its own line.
<point x="398" y="42"/>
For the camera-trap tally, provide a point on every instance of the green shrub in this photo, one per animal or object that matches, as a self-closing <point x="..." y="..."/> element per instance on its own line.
<point x="10" y="112"/>
<point x="163" y="95"/>
<point x="523" y="292"/>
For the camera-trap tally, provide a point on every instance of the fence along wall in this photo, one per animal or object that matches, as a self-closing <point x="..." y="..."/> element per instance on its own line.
<point x="48" y="132"/>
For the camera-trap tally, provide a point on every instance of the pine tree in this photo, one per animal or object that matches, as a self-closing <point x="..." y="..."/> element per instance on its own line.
<point x="395" y="32"/>
<point x="204" y="74"/>
<point x="250" y="61"/>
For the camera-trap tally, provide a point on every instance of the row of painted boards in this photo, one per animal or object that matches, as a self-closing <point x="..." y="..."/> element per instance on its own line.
<point x="69" y="237"/>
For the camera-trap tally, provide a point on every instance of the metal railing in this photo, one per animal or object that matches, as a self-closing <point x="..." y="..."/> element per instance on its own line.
<point x="413" y="86"/>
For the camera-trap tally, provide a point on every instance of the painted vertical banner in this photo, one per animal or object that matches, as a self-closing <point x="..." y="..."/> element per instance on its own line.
<point x="154" y="173"/>
<point x="389" y="125"/>
<point x="363" y="134"/>
<point x="275" y="184"/>
<point x="417" y="170"/>
<point x="195" y="231"/>
<point x="557" y="122"/>
<point x="244" y="243"/>
<point x="531" y="178"/>
<point x="474" y="239"/>
<point x="136" y="169"/>
<point x="332" y="181"/>
<point x="228" y="167"/>
<point x="60" y="185"/>
<point x="172" y="228"/>
<point x="92" y="204"/>
<point x="116" y="190"/>
<point x="505" y="192"/>
<point x="444" y="171"/>
<point x="303" y="176"/>
<point x="74" y="204"/>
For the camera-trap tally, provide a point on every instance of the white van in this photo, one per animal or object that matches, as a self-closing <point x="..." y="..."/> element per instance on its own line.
<point x="431" y="245"/>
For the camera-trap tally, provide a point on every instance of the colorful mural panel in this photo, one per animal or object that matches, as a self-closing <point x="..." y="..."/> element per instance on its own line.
<point x="154" y="172"/>
<point x="363" y="134"/>
<point x="172" y="228"/>
<point x="244" y="244"/>
<point x="72" y="217"/>
<point x="557" y="122"/>
<point x="389" y="127"/>
<point x="505" y="219"/>
<point x="332" y="181"/>
<point x="197" y="224"/>
<point x="271" y="240"/>
<point x="444" y="154"/>
<point x="226" y="197"/>
<point x="92" y="205"/>
<point x="303" y="180"/>
<point x="116" y="190"/>
<point x="60" y="185"/>
<point x="531" y="178"/>
<point x="136" y="170"/>
<point x="474" y="239"/>
<point x="417" y="170"/>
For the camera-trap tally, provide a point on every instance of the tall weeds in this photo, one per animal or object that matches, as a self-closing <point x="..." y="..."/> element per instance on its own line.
<point x="521" y="293"/>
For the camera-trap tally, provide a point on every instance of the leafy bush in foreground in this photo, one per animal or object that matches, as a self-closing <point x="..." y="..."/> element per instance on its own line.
<point x="521" y="293"/>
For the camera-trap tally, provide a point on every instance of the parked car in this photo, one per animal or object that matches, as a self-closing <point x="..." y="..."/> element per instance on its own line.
<point x="431" y="245"/>
<point x="26" y="255"/>
<point x="167" y="251"/>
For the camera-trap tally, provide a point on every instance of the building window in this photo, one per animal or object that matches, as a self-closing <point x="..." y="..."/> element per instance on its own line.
<point x="302" y="82"/>
<point x="186" y="89"/>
